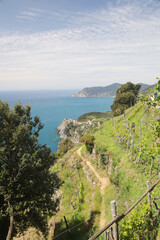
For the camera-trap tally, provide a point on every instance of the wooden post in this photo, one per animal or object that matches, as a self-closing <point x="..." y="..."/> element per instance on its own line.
<point x="132" y="142"/>
<point x="149" y="197"/>
<point x="106" y="235"/>
<point x="122" y="215"/>
<point x="128" y="144"/>
<point x="140" y="126"/>
<point x="111" y="233"/>
<point x="67" y="227"/>
<point x="126" y="204"/>
<point x="115" y="225"/>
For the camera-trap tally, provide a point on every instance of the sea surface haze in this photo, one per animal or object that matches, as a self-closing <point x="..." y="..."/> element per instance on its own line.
<point x="53" y="106"/>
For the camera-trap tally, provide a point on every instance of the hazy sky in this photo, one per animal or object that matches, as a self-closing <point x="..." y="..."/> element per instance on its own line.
<point x="62" y="44"/>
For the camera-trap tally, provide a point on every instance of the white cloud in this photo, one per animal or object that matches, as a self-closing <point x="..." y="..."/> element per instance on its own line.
<point x="32" y="14"/>
<point x="120" y="43"/>
<point x="28" y="15"/>
<point x="25" y="17"/>
<point x="37" y="10"/>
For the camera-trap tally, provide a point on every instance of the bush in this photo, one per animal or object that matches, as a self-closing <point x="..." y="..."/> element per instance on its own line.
<point x="64" y="146"/>
<point x="139" y="224"/>
<point x="88" y="140"/>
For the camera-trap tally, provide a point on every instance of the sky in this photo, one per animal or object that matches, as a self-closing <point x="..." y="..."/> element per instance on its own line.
<point x="72" y="44"/>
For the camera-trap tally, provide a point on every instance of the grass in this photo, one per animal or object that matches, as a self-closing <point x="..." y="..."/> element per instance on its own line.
<point x="110" y="195"/>
<point x="80" y="201"/>
<point x="128" y="180"/>
<point x="126" y="175"/>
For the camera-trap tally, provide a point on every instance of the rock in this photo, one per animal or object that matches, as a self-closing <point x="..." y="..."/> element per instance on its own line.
<point x="67" y="129"/>
<point x="73" y="129"/>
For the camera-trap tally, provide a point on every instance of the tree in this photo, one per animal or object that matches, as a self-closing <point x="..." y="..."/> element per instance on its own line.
<point x="89" y="142"/>
<point x="26" y="186"/>
<point x="126" y="97"/>
<point x="64" y="146"/>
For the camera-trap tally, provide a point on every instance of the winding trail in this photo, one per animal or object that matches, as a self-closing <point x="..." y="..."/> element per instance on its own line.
<point x="104" y="182"/>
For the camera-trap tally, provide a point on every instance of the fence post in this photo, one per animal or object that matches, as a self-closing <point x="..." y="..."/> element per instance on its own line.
<point x="149" y="197"/>
<point x="115" y="225"/>
<point x="111" y="233"/>
<point x="106" y="235"/>
<point x="67" y="227"/>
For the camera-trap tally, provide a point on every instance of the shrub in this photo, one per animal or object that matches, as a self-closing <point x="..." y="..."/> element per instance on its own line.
<point x="88" y="140"/>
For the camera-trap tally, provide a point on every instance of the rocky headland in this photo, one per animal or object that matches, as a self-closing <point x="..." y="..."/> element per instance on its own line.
<point x="108" y="91"/>
<point x="74" y="129"/>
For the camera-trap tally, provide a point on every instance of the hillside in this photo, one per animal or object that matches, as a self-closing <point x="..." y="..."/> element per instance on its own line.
<point x="86" y="123"/>
<point x="124" y="158"/>
<point x="107" y="91"/>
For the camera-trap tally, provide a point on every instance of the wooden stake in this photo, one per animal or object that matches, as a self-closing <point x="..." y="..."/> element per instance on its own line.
<point x="115" y="225"/>
<point x="67" y="227"/>
<point x="149" y="196"/>
<point x="111" y="233"/>
<point x="106" y="235"/>
<point x="122" y="215"/>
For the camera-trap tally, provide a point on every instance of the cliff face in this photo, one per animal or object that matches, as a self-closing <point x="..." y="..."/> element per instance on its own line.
<point x="74" y="130"/>
<point x="67" y="128"/>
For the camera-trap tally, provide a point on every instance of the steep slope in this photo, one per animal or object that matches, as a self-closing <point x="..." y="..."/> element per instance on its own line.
<point x="104" y="182"/>
<point x="119" y="154"/>
<point x="125" y="156"/>
<point x="131" y="141"/>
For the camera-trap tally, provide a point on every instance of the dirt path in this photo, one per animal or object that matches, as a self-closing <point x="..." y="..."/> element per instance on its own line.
<point x="104" y="181"/>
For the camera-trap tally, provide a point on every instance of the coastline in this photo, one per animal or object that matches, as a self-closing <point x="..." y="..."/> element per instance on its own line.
<point x="74" y="129"/>
<point x="52" y="109"/>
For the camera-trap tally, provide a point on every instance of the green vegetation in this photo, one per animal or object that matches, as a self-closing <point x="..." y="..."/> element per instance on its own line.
<point x="111" y="162"/>
<point x="26" y="186"/>
<point x="139" y="225"/>
<point x="88" y="140"/>
<point x="64" y="146"/>
<point x="127" y="149"/>
<point x="79" y="198"/>
<point x="100" y="116"/>
<point x="133" y="139"/>
<point x="126" y="97"/>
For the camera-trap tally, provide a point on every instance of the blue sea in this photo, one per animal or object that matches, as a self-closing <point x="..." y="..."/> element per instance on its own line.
<point x="53" y="106"/>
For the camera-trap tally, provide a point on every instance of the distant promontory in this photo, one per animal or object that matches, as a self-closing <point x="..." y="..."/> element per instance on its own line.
<point x="108" y="91"/>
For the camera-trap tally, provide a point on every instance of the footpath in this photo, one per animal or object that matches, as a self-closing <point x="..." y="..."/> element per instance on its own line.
<point x="104" y="182"/>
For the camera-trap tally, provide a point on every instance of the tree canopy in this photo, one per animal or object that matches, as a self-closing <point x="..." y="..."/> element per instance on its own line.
<point x="126" y="97"/>
<point x="26" y="185"/>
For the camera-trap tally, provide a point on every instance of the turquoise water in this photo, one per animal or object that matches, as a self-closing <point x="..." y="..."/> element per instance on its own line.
<point x="53" y="106"/>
